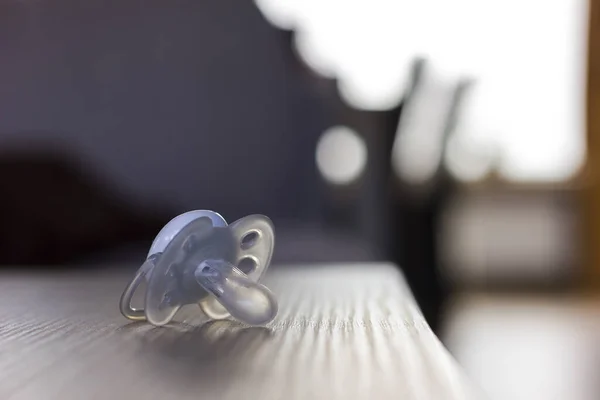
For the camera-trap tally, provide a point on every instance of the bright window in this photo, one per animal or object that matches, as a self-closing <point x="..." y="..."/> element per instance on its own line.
<point x="527" y="58"/>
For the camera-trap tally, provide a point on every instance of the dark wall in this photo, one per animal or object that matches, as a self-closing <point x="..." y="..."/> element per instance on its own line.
<point x="186" y="103"/>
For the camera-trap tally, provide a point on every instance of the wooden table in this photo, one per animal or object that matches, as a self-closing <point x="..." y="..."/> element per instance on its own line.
<point x="343" y="332"/>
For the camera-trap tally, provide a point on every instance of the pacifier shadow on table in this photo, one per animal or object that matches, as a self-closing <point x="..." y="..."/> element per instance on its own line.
<point x="215" y="345"/>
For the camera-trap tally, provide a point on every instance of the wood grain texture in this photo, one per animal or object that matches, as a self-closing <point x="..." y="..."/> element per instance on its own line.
<point x="343" y="332"/>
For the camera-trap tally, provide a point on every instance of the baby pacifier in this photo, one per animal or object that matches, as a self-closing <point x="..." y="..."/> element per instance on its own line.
<point x="197" y="258"/>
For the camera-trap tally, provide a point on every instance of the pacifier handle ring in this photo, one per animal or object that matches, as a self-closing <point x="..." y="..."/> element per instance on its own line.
<point x="135" y="314"/>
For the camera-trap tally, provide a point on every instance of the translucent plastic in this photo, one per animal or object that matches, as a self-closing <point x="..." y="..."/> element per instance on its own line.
<point x="168" y="232"/>
<point x="198" y="259"/>
<point x="246" y="301"/>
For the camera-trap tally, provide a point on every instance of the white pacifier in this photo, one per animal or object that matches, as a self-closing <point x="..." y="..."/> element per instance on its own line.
<point x="198" y="259"/>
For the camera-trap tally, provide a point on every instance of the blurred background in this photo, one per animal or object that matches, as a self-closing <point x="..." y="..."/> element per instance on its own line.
<point x="457" y="138"/>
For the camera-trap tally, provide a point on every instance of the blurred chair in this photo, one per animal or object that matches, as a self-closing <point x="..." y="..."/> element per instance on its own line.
<point x="52" y="212"/>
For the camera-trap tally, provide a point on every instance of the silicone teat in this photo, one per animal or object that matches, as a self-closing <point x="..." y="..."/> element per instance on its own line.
<point x="197" y="258"/>
<point x="246" y="301"/>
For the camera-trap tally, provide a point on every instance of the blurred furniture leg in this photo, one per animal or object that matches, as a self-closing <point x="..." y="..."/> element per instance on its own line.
<point x="591" y="177"/>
